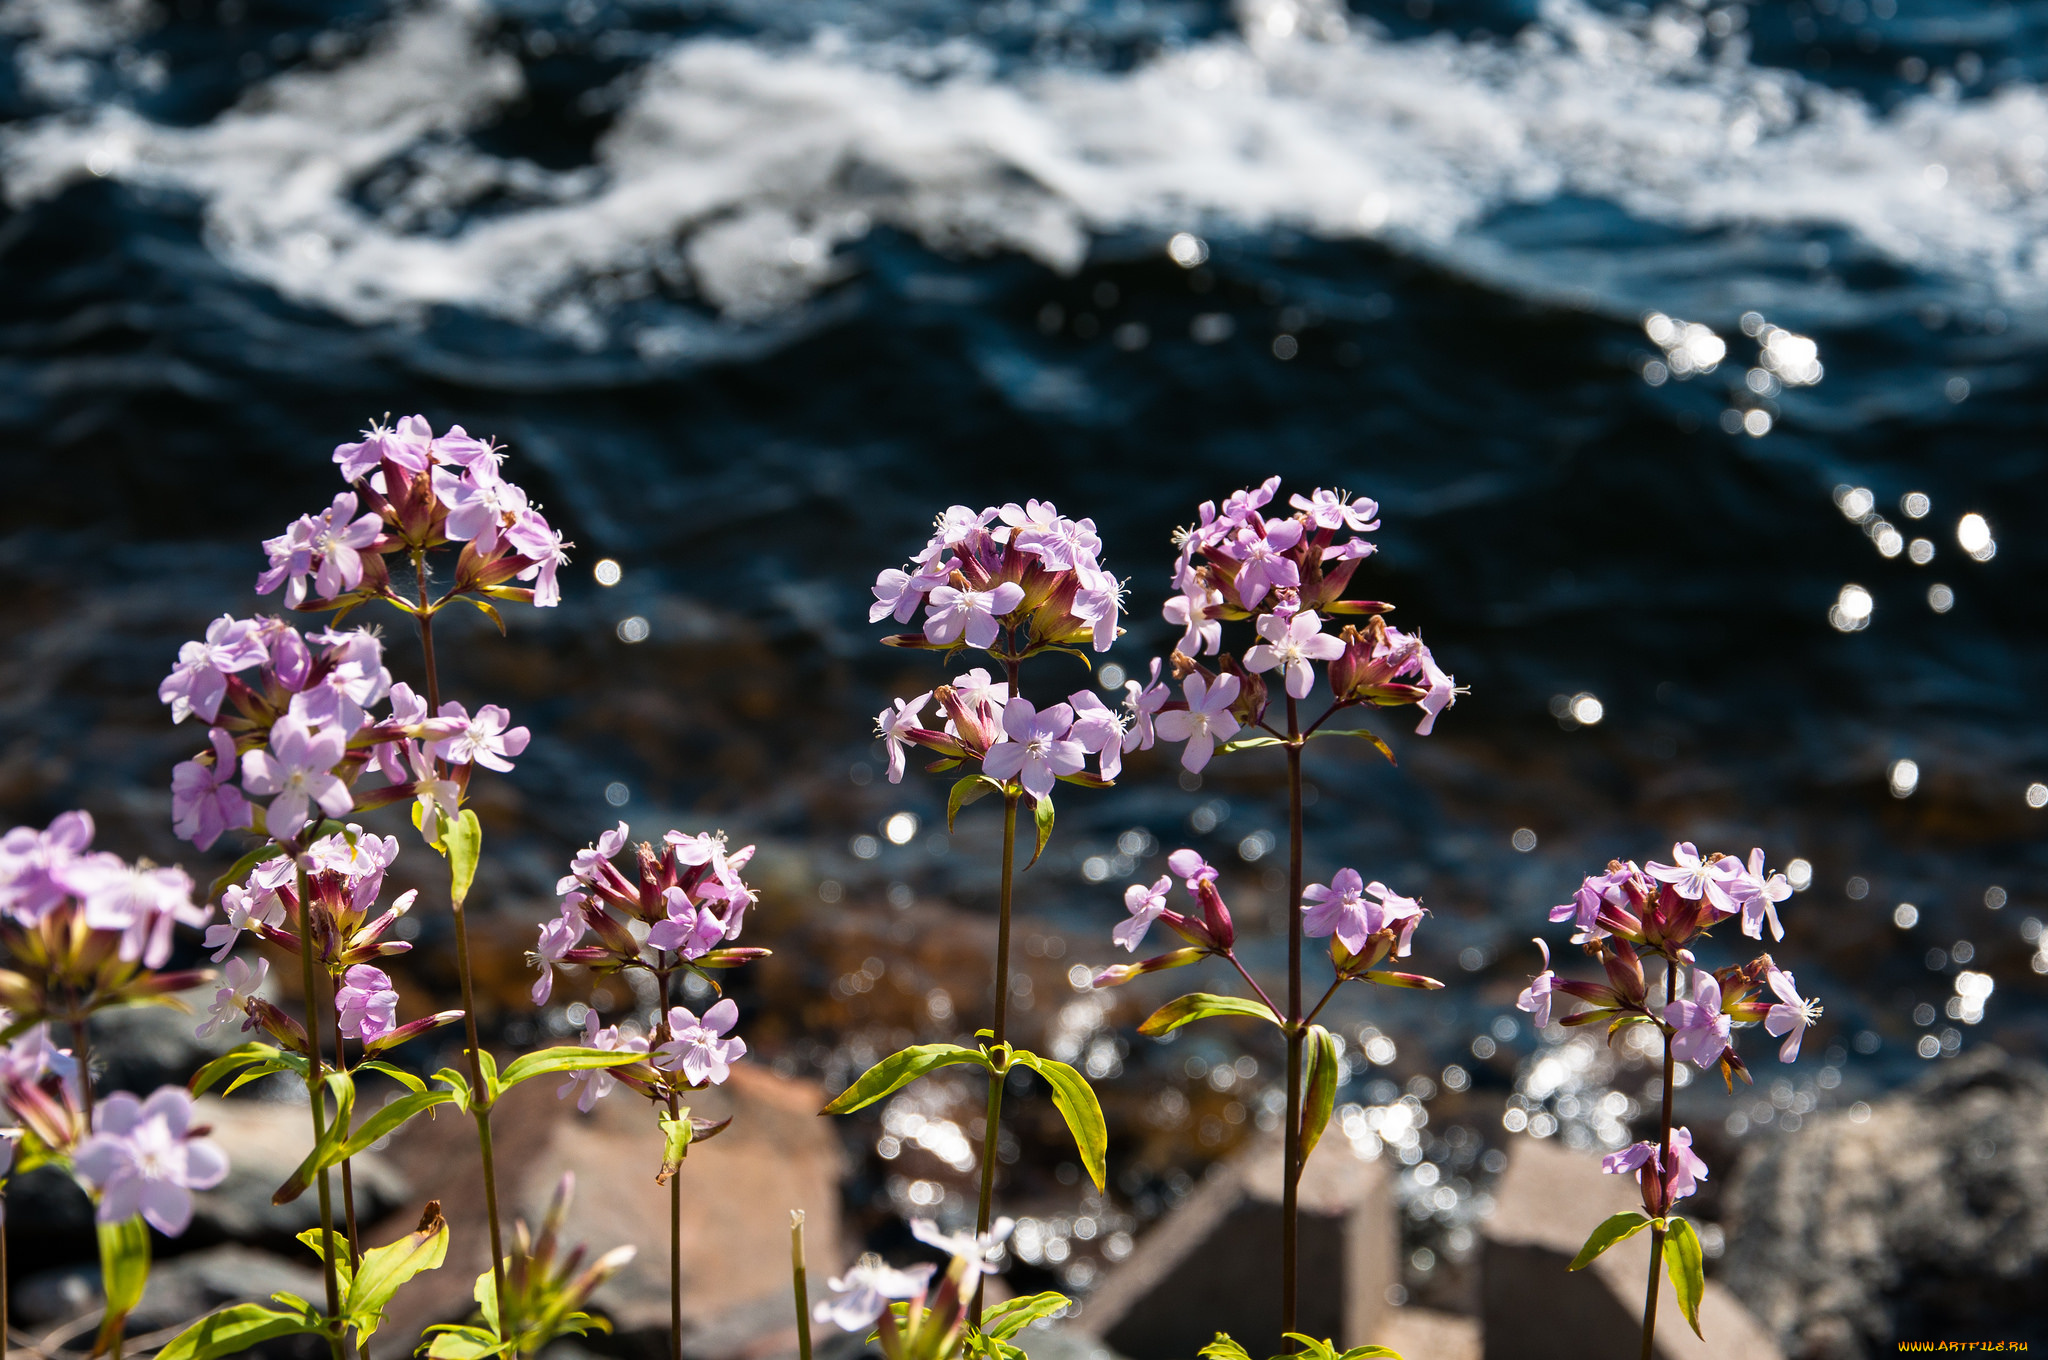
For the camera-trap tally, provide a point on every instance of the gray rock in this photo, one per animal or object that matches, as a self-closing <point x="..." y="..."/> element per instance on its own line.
<point x="1213" y="1264"/>
<point x="139" y="1048"/>
<point x="265" y="1142"/>
<point x="1533" y="1307"/>
<point x="1928" y="1221"/>
<point x="180" y="1289"/>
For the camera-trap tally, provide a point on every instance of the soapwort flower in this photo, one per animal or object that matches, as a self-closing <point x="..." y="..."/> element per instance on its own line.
<point x="145" y="1157"/>
<point x="699" y="1049"/>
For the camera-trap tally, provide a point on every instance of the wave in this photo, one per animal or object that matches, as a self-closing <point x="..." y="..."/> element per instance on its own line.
<point x="734" y="170"/>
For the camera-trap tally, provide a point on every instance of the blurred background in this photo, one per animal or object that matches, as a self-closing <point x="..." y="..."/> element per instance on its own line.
<point x="1691" y="350"/>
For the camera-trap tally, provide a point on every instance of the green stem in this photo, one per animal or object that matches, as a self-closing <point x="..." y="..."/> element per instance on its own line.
<point x="316" y="1092"/>
<point x="480" y="1106"/>
<point x="1290" y="1207"/>
<point x="81" y="1046"/>
<point x="991" y="1135"/>
<point x="797" y="1278"/>
<point x="1663" y="1160"/>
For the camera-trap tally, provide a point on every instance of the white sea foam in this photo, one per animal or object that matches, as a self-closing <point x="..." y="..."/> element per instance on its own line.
<point x="737" y="169"/>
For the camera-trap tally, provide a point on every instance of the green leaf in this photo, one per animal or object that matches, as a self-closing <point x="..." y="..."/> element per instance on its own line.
<point x="385" y="1268"/>
<point x="397" y="1074"/>
<point x="1310" y="1347"/>
<point x="452" y="1342"/>
<point x="1319" y="1087"/>
<point x="1076" y="1102"/>
<point x="462" y="841"/>
<point x="1041" y="813"/>
<point x="1011" y="1316"/>
<point x="335" y="1138"/>
<point x="459" y="1085"/>
<point x="1200" y="1006"/>
<point x="898" y="1070"/>
<point x="1617" y="1229"/>
<point x="1247" y="744"/>
<point x="968" y="790"/>
<point x="262" y="1070"/>
<point x="1223" y="1348"/>
<point x="233" y="1330"/>
<point x="1371" y="1353"/>
<point x="237" y="871"/>
<point x="1687" y="1264"/>
<point x="1364" y="735"/>
<point x="1412" y="981"/>
<point x="564" y="1058"/>
<point x="675" y="1144"/>
<point x="489" y="611"/>
<point x="237" y="1058"/>
<point x="494" y="1085"/>
<point x="315" y="1240"/>
<point x="124" y="1274"/>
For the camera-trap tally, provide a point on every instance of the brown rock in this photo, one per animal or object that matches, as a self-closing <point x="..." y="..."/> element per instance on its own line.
<point x="1425" y="1334"/>
<point x="738" y="1189"/>
<point x="1533" y="1308"/>
<point x="1213" y="1264"/>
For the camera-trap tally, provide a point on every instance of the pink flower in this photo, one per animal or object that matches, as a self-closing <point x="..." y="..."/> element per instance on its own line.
<point x="864" y="1291"/>
<point x="1189" y="866"/>
<point x="699" y="1049"/>
<point x="359" y="859"/>
<point x="408" y="445"/>
<point x="366" y="1007"/>
<point x="1291" y="645"/>
<point x="1145" y="905"/>
<point x="900" y="592"/>
<point x="1631" y="1159"/>
<point x="1702" y="1030"/>
<point x="1205" y="720"/>
<point x="1265" y="564"/>
<point x="893" y="723"/>
<point x="1792" y="1016"/>
<point x="1189" y="610"/>
<point x="1353" y="909"/>
<point x="585" y="867"/>
<point x="481" y="504"/>
<point x="1443" y="691"/>
<point x="1538" y="997"/>
<point x="548" y="550"/>
<point x="1760" y="896"/>
<point x="1330" y="510"/>
<point x="557" y="938"/>
<point x="337" y="541"/>
<point x="297" y="772"/>
<point x="141" y="904"/>
<point x="1037" y="749"/>
<point x="1100" y="731"/>
<point x="1143" y="703"/>
<point x="249" y="907"/>
<point x="593" y="1084"/>
<point x="693" y="929"/>
<point x="978" y="687"/>
<point x="1692" y="876"/>
<point x="487" y="740"/>
<point x="199" y="681"/>
<point x="33" y="865"/>
<point x="240" y="982"/>
<point x="1097" y="603"/>
<point x="1060" y="544"/>
<point x="1686" y="1170"/>
<point x="969" y="613"/>
<point x="203" y="802"/>
<point x="143" y="1158"/>
<point x="979" y="1251"/>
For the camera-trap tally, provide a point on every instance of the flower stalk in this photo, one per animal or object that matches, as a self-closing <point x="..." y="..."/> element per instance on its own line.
<point x="316" y="1091"/>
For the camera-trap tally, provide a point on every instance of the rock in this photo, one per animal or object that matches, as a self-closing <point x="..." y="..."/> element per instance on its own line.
<point x="265" y="1142"/>
<point x="1213" y="1264"/>
<point x="45" y="1207"/>
<point x="139" y="1048"/>
<point x="1533" y="1308"/>
<point x="180" y="1289"/>
<point x="738" y="1189"/>
<point x="1928" y="1221"/>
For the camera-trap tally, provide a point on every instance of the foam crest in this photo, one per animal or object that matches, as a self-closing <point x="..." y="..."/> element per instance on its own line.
<point x="735" y="169"/>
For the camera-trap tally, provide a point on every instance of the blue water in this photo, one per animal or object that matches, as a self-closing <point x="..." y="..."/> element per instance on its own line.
<point x="753" y="289"/>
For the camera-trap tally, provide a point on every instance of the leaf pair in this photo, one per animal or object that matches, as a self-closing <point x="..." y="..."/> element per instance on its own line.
<point x="971" y="788"/>
<point x="1683" y="1257"/>
<point x="1003" y="1321"/>
<point x="1223" y="1348"/>
<point x="1071" y="1094"/>
<point x="1200" y="1006"/>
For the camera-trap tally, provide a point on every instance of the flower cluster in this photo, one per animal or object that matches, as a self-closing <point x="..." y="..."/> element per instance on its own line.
<point x="1012" y="738"/>
<point x="1009" y="580"/>
<point x="932" y="1325"/>
<point x="679" y="912"/>
<point x="1286" y="574"/>
<point x="343" y="874"/>
<point x="84" y="929"/>
<point x="1365" y="923"/>
<point x="1667" y="1174"/>
<point x="416" y="491"/>
<point x="302" y="732"/>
